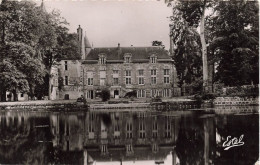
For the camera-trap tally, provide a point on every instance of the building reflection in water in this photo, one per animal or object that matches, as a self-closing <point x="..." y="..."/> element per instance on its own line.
<point x="125" y="137"/>
<point x="116" y="136"/>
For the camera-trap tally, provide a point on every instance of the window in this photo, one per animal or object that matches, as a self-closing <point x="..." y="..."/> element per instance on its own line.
<point x="21" y="94"/>
<point x="66" y="65"/>
<point x="141" y="93"/>
<point x="102" y="60"/>
<point x="141" y="80"/>
<point x="127" y="60"/>
<point x="66" y="80"/>
<point x="115" y="81"/>
<point x="129" y="148"/>
<point x="102" y="81"/>
<point x="166" y="78"/>
<point x="129" y="129"/>
<point x="141" y="130"/>
<point x="166" y="93"/>
<point x="153" y="59"/>
<point x="90" y="94"/>
<point x="166" y="72"/>
<point x="155" y="130"/>
<point x="128" y="73"/>
<point x="127" y="81"/>
<point x="102" y="78"/>
<point x="140" y="77"/>
<point x="153" y="79"/>
<point x="141" y="72"/>
<point x="128" y="77"/>
<point x="167" y="132"/>
<point x="154" y="93"/>
<point x="90" y="81"/>
<point x="153" y="72"/>
<point x="153" y="76"/>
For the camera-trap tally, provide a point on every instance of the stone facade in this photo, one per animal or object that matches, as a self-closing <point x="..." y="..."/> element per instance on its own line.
<point x="121" y="78"/>
<point x="147" y="70"/>
<point x="69" y="70"/>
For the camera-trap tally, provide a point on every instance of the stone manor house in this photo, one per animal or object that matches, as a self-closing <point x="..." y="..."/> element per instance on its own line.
<point x="147" y="70"/>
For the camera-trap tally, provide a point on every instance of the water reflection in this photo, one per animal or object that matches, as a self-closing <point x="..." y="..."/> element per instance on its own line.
<point x="138" y="137"/>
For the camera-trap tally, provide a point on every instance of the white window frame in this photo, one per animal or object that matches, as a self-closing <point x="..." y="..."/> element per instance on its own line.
<point x="166" y="76"/>
<point x="141" y="93"/>
<point x="153" y="80"/>
<point x="153" y="59"/>
<point x="128" y="80"/>
<point x="142" y="133"/>
<point x="90" y="81"/>
<point x="166" y="92"/>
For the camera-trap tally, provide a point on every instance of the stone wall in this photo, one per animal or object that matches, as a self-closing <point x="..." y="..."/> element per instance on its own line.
<point x="73" y="89"/>
<point x="236" y="101"/>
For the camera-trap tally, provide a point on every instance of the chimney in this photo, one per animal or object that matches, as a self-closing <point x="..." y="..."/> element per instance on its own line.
<point x="171" y="41"/>
<point x="119" y="51"/>
<point x="79" y="32"/>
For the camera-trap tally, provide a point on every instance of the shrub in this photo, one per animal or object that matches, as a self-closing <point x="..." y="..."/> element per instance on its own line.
<point x="105" y="95"/>
<point x="208" y="96"/>
<point x="131" y="94"/>
<point x="242" y="91"/>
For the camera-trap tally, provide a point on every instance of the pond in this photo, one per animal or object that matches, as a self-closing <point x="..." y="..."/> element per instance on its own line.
<point x="130" y="137"/>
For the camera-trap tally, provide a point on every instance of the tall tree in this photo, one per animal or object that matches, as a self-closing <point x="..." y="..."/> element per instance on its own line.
<point x="193" y="12"/>
<point x="56" y="43"/>
<point x="32" y="42"/>
<point x="186" y="50"/>
<point x="187" y="58"/>
<point x="236" y="42"/>
<point x="19" y="26"/>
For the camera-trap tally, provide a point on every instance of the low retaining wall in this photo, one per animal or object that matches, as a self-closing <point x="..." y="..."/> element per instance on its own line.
<point x="236" y="101"/>
<point x="47" y="106"/>
<point x="119" y="106"/>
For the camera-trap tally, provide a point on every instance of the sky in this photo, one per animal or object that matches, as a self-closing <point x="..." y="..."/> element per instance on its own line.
<point x="107" y="23"/>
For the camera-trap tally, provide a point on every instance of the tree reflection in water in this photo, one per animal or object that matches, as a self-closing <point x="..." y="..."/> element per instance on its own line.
<point x="190" y="141"/>
<point x="235" y="126"/>
<point x="82" y="138"/>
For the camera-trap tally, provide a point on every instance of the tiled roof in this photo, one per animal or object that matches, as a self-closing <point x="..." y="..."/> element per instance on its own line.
<point x="138" y="53"/>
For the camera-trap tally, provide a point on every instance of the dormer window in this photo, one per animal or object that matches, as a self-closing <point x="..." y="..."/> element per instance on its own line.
<point x="102" y="59"/>
<point x="153" y="59"/>
<point x="127" y="58"/>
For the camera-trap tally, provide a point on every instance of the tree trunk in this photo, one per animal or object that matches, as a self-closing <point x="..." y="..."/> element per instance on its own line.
<point x="31" y="93"/>
<point x="49" y="90"/>
<point x="15" y="95"/>
<point x="3" y="95"/>
<point x="204" y="51"/>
